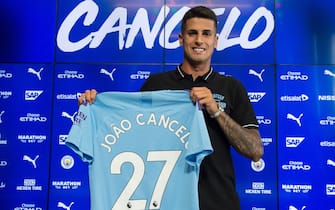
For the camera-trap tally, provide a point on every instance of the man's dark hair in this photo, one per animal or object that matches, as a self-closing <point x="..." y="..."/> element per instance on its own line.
<point x="199" y="12"/>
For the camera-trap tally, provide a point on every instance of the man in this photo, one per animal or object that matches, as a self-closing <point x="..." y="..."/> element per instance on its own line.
<point x="229" y="115"/>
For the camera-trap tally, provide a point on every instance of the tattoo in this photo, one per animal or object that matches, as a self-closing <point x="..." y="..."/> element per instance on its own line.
<point x="246" y="141"/>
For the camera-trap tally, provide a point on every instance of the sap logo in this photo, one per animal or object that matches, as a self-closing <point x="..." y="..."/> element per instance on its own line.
<point x="294" y="141"/>
<point x="32" y="95"/>
<point x="62" y="139"/>
<point x="330" y="189"/>
<point x="140" y="75"/>
<point x="69" y="74"/>
<point x="35" y="72"/>
<point x="255" y="73"/>
<point x="256" y="96"/>
<point x="6" y="75"/>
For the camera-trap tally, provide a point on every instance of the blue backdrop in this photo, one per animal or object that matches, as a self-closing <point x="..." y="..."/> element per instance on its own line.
<point x="283" y="51"/>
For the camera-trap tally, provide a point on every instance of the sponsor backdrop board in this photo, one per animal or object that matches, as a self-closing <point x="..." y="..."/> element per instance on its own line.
<point x="282" y="51"/>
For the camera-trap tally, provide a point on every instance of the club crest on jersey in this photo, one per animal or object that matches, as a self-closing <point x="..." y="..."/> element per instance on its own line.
<point x="220" y="100"/>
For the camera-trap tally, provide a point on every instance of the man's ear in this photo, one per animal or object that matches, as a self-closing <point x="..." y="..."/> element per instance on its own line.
<point x="181" y="39"/>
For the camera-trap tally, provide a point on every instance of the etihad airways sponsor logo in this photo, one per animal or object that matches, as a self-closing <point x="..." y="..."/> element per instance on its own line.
<point x="329" y="121"/>
<point x="296" y="166"/>
<point x="262" y="120"/>
<point x="296" y="188"/>
<point x="256" y="96"/>
<point x="33" y="117"/>
<point x="139" y="75"/>
<point x="294" y="76"/>
<point x="70" y="74"/>
<point x="4" y="74"/>
<point x="162" y="28"/>
<point x="293" y="98"/>
<point x="28" y="206"/>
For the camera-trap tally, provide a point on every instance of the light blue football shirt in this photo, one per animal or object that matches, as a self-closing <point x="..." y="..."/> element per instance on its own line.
<point x="144" y="149"/>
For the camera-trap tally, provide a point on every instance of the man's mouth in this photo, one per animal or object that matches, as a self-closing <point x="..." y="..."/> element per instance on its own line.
<point x="198" y="50"/>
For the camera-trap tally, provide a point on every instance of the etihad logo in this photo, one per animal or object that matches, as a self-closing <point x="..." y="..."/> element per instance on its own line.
<point x="5" y="94"/>
<point x="33" y="117"/>
<point x="139" y="75"/>
<point x="32" y="95"/>
<point x="70" y="74"/>
<point x="329" y="73"/>
<point x="106" y="72"/>
<point x="294" y="142"/>
<point x="37" y="73"/>
<point x="31" y="160"/>
<point x="256" y="96"/>
<point x="293" y="76"/>
<point x="328" y="121"/>
<point x="64" y="206"/>
<point x="28" y="206"/>
<point x="296" y="166"/>
<point x="258" y="75"/>
<point x="6" y="75"/>
<point x="294" y="118"/>
<point x="262" y="120"/>
<point x="296" y="188"/>
<point x="299" y="98"/>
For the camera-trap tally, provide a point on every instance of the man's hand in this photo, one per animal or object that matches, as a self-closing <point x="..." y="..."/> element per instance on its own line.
<point x="87" y="97"/>
<point x="205" y="98"/>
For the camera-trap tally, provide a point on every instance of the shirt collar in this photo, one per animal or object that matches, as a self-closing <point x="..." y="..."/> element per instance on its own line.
<point x="204" y="77"/>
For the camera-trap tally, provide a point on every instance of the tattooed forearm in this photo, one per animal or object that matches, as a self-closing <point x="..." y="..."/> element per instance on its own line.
<point x="246" y="141"/>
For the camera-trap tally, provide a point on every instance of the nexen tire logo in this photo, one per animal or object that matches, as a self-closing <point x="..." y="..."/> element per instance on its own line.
<point x="256" y="96"/>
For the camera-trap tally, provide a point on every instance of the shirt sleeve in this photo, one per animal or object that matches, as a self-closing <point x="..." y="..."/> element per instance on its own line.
<point x="80" y="137"/>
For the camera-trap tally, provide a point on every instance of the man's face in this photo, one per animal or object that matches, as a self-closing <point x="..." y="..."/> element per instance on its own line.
<point x="199" y="40"/>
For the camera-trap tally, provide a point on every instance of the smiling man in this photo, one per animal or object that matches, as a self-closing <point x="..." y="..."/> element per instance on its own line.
<point x="229" y="115"/>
